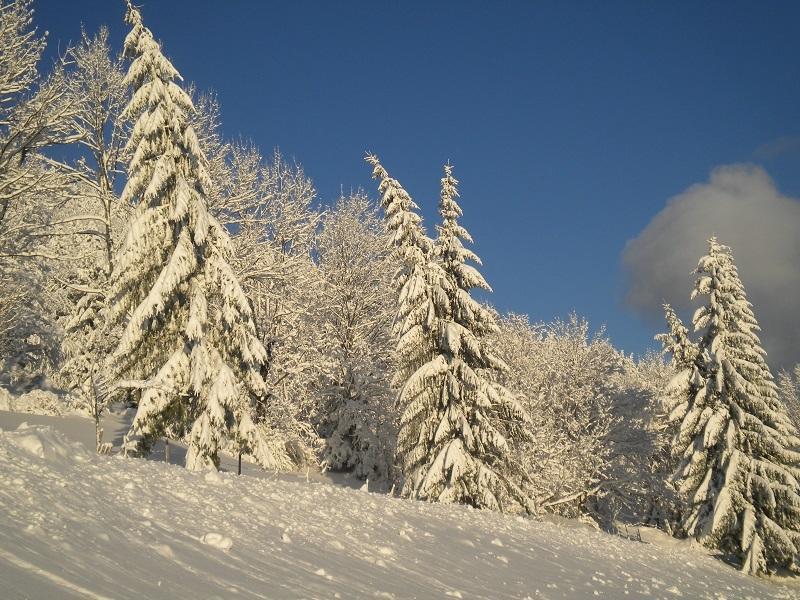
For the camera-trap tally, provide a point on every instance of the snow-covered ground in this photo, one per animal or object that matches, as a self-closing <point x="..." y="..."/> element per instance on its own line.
<point x="75" y="524"/>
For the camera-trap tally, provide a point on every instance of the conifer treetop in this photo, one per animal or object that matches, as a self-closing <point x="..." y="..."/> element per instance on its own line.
<point x="677" y="342"/>
<point x="449" y="243"/>
<point x="463" y="309"/>
<point x="401" y="220"/>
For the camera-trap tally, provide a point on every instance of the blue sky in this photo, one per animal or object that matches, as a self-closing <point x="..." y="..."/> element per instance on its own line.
<point x="570" y="124"/>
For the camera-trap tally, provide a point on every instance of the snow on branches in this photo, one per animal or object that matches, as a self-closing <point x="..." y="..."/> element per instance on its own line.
<point x="188" y="327"/>
<point x="356" y="417"/>
<point x="458" y="424"/>
<point x="737" y="449"/>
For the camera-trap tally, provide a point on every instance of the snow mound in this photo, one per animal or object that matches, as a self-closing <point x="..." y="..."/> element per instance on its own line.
<point x="214" y="477"/>
<point x="35" y="402"/>
<point x="217" y="540"/>
<point x="42" y="442"/>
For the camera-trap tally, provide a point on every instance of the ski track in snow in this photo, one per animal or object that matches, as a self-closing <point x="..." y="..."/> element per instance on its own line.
<point x="75" y="524"/>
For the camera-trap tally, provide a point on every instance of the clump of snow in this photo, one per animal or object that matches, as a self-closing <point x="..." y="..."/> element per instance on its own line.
<point x="213" y="477"/>
<point x="43" y="442"/>
<point x="35" y="402"/>
<point x="217" y="540"/>
<point x="163" y="550"/>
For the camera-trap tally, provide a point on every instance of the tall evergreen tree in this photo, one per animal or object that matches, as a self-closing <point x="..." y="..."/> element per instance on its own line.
<point x="188" y="330"/>
<point x="738" y="461"/>
<point x="454" y="396"/>
<point x="450" y="445"/>
<point x="418" y="280"/>
<point x="666" y="505"/>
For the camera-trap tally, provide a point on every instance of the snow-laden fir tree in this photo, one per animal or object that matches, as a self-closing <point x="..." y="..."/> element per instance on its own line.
<point x="688" y="379"/>
<point x="189" y="333"/>
<point x="452" y="442"/>
<point x="737" y="449"/>
<point x="666" y="505"/>
<point x="473" y="419"/>
<point x="418" y="280"/>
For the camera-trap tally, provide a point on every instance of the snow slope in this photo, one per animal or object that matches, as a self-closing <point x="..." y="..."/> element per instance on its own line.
<point x="75" y="524"/>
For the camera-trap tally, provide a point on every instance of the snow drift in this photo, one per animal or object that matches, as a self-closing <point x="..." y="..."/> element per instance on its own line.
<point x="76" y="524"/>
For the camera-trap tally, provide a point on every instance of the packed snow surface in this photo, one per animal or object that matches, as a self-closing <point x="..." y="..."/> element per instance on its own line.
<point x="76" y="524"/>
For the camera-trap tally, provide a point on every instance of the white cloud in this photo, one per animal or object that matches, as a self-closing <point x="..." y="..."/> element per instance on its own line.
<point x="743" y="208"/>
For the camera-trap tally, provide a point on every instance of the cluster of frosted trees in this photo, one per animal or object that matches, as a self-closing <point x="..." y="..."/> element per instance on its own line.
<point x="160" y="265"/>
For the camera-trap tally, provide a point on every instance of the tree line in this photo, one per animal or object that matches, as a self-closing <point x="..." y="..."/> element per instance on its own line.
<point x="145" y="259"/>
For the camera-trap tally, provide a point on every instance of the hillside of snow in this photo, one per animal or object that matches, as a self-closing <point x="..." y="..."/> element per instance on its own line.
<point x="75" y="524"/>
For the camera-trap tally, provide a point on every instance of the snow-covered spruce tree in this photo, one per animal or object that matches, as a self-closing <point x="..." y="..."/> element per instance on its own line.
<point x="451" y="442"/>
<point x="356" y="416"/>
<point x="739" y="466"/>
<point x="189" y="332"/>
<point x="417" y="281"/>
<point x="474" y="419"/>
<point x="666" y="505"/>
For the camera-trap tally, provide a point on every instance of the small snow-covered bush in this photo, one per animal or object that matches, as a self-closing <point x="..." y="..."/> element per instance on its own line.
<point x="35" y="402"/>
